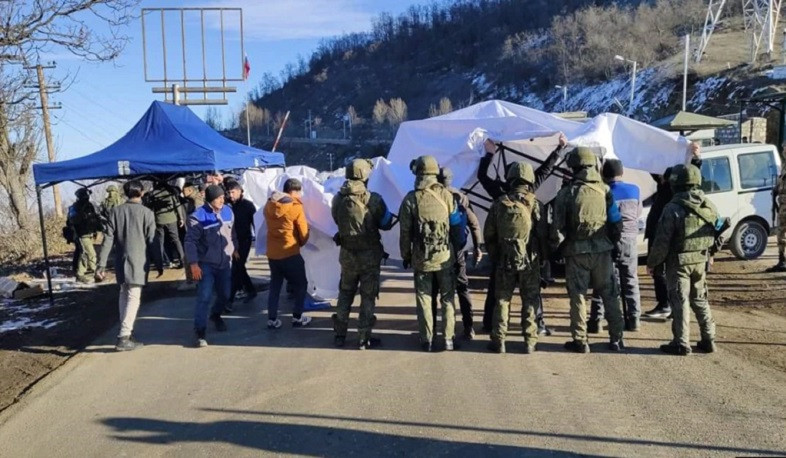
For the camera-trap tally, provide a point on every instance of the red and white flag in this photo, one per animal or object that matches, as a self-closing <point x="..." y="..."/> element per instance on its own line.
<point x="246" y="67"/>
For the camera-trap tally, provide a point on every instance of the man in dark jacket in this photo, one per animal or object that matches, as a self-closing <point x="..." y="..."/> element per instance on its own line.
<point x="132" y="228"/>
<point x="244" y="211"/>
<point x="496" y="188"/>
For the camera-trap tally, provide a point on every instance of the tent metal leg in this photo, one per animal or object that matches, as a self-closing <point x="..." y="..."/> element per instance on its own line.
<point x="46" y="248"/>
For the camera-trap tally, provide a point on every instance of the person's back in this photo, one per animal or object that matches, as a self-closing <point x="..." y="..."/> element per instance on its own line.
<point x="163" y="202"/>
<point x="430" y="206"/>
<point x="287" y="229"/>
<point x="627" y="196"/>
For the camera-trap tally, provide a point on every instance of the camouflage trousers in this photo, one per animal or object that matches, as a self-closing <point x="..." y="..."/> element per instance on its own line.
<point x="596" y="271"/>
<point x="87" y="260"/>
<point x="425" y="282"/>
<point x="352" y="280"/>
<point x="688" y="290"/>
<point x="528" y="282"/>
<point x="781" y="232"/>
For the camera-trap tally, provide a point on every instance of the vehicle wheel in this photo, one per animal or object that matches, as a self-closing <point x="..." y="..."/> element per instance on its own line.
<point x="749" y="240"/>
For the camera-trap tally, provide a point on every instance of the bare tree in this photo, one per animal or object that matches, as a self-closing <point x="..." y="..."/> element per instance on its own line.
<point x="213" y="118"/>
<point x="29" y="29"/>
<point x="354" y="118"/>
<point x="397" y="112"/>
<point x="381" y="111"/>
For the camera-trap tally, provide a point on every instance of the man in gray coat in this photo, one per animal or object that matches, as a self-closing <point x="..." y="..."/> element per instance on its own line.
<point x="132" y="228"/>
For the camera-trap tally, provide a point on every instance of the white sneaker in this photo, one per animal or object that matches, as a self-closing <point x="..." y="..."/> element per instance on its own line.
<point x="274" y="324"/>
<point x="303" y="321"/>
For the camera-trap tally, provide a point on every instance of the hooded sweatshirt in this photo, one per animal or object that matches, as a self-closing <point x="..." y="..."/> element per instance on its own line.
<point x="287" y="228"/>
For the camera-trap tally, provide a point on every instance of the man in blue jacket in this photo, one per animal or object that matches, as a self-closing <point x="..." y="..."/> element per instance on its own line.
<point x="626" y="253"/>
<point x="210" y="248"/>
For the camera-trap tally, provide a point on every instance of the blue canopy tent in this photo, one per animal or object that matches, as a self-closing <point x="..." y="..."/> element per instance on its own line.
<point x="168" y="140"/>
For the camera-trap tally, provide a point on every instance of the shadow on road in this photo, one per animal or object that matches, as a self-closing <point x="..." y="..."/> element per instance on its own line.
<point x="298" y="437"/>
<point x="307" y="440"/>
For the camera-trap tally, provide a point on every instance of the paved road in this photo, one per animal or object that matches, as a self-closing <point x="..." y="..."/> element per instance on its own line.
<point x="289" y="392"/>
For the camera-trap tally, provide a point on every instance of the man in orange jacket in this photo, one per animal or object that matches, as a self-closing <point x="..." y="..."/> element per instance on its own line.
<point x="287" y="231"/>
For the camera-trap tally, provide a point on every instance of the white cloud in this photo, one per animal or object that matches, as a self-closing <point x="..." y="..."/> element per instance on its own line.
<point x="269" y="20"/>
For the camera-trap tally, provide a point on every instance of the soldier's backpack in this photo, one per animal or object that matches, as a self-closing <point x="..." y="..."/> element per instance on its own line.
<point x="698" y="231"/>
<point x="588" y="215"/>
<point x="355" y="227"/>
<point x="432" y="225"/>
<point x="85" y="218"/>
<point x="514" y="226"/>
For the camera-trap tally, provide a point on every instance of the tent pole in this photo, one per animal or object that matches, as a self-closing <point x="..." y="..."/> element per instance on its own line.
<point x="45" y="247"/>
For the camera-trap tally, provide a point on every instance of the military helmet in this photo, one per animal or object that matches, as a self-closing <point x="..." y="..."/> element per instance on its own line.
<point x="581" y="157"/>
<point x="111" y="188"/>
<point x="82" y="193"/>
<point x="426" y="165"/>
<point x="359" y="169"/>
<point x="520" y="171"/>
<point x="685" y="176"/>
<point x="445" y="176"/>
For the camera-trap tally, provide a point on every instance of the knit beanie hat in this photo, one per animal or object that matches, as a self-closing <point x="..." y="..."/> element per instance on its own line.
<point x="213" y="192"/>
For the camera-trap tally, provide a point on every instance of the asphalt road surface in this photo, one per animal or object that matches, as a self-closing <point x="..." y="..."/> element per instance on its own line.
<point x="255" y="391"/>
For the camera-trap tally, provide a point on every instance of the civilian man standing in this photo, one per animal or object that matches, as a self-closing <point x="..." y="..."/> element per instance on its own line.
<point x="244" y="211"/>
<point x="132" y="227"/>
<point x="287" y="232"/>
<point x="210" y="244"/>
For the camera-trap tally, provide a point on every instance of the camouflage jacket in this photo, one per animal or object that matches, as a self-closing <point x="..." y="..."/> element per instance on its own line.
<point x="410" y="242"/>
<point x="560" y="237"/>
<point x="380" y="219"/>
<point x="670" y="234"/>
<point x="537" y="246"/>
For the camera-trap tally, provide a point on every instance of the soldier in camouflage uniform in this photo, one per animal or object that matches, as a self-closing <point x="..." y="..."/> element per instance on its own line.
<point x="85" y="222"/>
<point x="587" y="217"/>
<point x="359" y="215"/>
<point x="514" y="234"/>
<point x="780" y="200"/>
<point x="113" y="199"/>
<point x="425" y="216"/>
<point x="684" y="242"/>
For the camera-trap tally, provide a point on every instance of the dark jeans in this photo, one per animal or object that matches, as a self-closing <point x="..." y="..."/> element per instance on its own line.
<point x="218" y="280"/>
<point x="293" y="269"/>
<point x="240" y="278"/>
<point x="659" y="278"/>
<point x="626" y="276"/>
<point x="491" y="303"/>
<point x="462" y="288"/>
<point x="169" y="231"/>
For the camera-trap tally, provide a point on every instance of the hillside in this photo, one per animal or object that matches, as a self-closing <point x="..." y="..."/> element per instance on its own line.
<point x="435" y="59"/>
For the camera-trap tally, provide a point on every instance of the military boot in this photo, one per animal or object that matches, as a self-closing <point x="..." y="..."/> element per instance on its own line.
<point x="339" y="341"/>
<point x="594" y="326"/>
<point x="577" y="346"/>
<point x="707" y="346"/>
<point x="675" y="349"/>
<point x="616" y="345"/>
<point x="496" y="347"/>
<point x="632" y="324"/>
<point x="780" y="266"/>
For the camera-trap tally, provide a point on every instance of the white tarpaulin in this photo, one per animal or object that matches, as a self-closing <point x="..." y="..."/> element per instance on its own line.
<point x="456" y="140"/>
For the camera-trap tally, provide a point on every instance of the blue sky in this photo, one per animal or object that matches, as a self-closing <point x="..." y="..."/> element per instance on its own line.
<point x="106" y="99"/>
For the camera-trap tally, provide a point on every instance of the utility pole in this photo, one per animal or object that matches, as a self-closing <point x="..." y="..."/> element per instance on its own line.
<point x="685" y="74"/>
<point x="50" y="146"/>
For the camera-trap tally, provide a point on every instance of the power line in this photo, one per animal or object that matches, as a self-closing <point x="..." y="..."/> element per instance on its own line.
<point x="78" y="130"/>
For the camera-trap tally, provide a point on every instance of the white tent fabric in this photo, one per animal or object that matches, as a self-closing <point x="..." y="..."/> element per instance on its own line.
<point x="456" y="140"/>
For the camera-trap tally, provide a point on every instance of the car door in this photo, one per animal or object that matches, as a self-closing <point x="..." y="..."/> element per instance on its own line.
<point x="758" y="174"/>
<point x="717" y="182"/>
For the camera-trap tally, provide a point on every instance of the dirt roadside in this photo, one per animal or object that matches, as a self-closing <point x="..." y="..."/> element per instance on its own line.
<point x="43" y="338"/>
